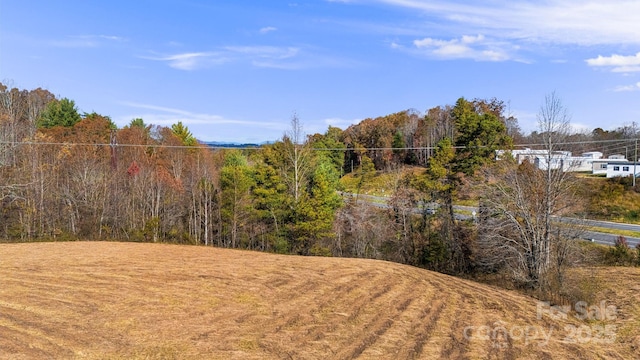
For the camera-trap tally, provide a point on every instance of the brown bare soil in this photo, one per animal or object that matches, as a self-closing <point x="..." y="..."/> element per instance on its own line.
<point x="105" y="300"/>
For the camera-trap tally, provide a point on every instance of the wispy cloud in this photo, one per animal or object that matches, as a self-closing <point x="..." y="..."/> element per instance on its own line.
<point x="264" y="52"/>
<point x="112" y="37"/>
<point x="624" y="88"/>
<point x="340" y="123"/>
<point x="276" y="57"/>
<point x="191" y="60"/>
<point x="617" y="63"/>
<point x="157" y="108"/>
<point x="85" y="41"/>
<point x="530" y="121"/>
<point x="466" y="47"/>
<point x="198" y="60"/>
<point x="226" y="128"/>
<point x="161" y="115"/>
<point x="554" y="21"/>
<point x="267" y="29"/>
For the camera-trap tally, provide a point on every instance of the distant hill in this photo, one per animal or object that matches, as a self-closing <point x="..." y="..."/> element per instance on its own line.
<point x="97" y="300"/>
<point x="219" y="144"/>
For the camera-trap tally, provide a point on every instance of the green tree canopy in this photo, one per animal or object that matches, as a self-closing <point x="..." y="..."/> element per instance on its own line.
<point x="95" y="116"/>
<point x="333" y="148"/>
<point x="314" y="217"/>
<point x="480" y="134"/>
<point x="59" y="113"/>
<point x="269" y="195"/>
<point x="236" y="181"/>
<point x="184" y="134"/>
<point x="137" y="122"/>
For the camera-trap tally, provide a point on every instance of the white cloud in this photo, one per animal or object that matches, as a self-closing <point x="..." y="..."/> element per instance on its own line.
<point x="466" y="47"/>
<point x="530" y="121"/>
<point x="190" y="61"/>
<point x="466" y="39"/>
<point x="340" y="123"/>
<point x="267" y="52"/>
<point x="591" y="22"/>
<point x="634" y="87"/>
<point x="267" y="29"/>
<point x="626" y="69"/>
<point x="155" y="108"/>
<point x="320" y="126"/>
<point x="617" y="63"/>
<point x="111" y="37"/>
<point x="85" y="41"/>
<point x="197" y="60"/>
<point x="275" y="57"/>
<point x="494" y="55"/>
<point x="454" y="51"/>
<point x="269" y="56"/>
<point x="160" y="115"/>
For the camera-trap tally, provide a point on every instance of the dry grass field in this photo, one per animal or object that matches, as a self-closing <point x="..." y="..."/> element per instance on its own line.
<point x="105" y="300"/>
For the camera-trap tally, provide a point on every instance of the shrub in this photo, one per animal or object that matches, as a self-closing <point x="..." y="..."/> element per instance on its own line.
<point x="621" y="254"/>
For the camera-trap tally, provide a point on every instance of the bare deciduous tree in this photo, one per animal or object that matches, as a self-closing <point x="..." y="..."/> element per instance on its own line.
<point x="518" y="226"/>
<point x="360" y="231"/>
<point x="298" y="157"/>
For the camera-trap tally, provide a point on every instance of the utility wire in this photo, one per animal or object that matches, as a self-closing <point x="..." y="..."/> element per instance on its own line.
<point x="204" y="146"/>
<point x="615" y="144"/>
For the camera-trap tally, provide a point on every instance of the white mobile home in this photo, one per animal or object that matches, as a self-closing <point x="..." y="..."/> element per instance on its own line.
<point x="600" y="165"/>
<point x="556" y="160"/>
<point x="627" y="168"/>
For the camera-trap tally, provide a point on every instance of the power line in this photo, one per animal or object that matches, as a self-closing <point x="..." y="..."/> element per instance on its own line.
<point x="579" y="142"/>
<point x="203" y="146"/>
<point x="615" y="144"/>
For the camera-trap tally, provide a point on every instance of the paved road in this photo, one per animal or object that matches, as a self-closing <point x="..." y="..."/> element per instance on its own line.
<point x="597" y="237"/>
<point x="602" y="224"/>
<point x="608" y="239"/>
<point x="605" y="238"/>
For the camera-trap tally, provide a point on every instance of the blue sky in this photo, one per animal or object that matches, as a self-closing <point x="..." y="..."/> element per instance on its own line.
<point x="238" y="70"/>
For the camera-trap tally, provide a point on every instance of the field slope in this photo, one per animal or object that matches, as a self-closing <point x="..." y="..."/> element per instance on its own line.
<point x="105" y="300"/>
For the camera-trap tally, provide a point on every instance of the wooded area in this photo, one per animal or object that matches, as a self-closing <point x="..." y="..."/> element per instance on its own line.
<point x="66" y="175"/>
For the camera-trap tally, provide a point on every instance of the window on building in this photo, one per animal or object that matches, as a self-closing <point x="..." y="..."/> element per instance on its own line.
<point x="603" y="166"/>
<point x="616" y="168"/>
<point x="625" y="168"/>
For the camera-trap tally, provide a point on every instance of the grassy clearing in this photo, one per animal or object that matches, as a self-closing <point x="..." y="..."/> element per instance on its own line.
<point x="99" y="300"/>
<point x="382" y="183"/>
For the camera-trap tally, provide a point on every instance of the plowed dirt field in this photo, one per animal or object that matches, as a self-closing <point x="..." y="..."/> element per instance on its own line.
<point x="106" y="300"/>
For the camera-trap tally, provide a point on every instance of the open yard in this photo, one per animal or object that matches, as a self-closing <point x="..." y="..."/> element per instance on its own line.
<point x="106" y="300"/>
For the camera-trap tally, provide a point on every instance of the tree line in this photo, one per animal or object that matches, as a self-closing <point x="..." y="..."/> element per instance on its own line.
<point x="66" y="175"/>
